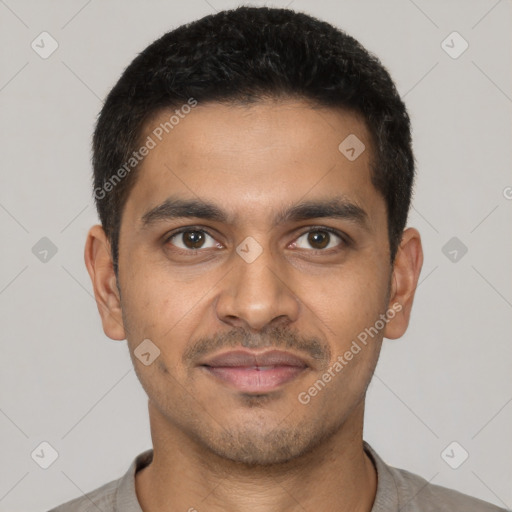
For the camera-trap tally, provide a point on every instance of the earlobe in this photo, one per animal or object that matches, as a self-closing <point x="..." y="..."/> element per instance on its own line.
<point x="406" y="272"/>
<point x="98" y="260"/>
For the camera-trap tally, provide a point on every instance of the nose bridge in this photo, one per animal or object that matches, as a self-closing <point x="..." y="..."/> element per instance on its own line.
<point x="258" y="280"/>
<point x="255" y="293"/>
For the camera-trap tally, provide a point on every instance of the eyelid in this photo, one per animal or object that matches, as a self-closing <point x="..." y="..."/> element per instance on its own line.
<point x="346" y="239"/>
<point x="184" y="229"/>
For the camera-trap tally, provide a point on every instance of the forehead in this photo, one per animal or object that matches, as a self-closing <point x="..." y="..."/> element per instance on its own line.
<point x="256" y="157"/>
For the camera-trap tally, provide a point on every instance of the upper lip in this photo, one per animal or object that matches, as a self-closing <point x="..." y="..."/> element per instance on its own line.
<point x="244" y="358"/>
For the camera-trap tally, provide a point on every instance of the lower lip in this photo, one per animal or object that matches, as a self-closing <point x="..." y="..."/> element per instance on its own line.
<point x="251" y="380"/>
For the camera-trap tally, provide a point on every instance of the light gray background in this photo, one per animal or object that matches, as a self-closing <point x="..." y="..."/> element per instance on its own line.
<point x="64" y="382"/>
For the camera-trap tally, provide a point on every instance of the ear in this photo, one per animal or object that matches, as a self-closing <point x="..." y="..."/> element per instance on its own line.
<point x="406" y="272"/>
<point x="98" y="260"/>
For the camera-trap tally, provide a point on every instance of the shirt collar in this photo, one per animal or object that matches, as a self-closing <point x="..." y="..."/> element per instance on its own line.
<point x="386" y="498"/>
<point x="126" y="496"/>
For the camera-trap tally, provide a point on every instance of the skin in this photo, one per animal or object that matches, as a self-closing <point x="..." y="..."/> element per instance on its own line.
<point x="216" y="448"/>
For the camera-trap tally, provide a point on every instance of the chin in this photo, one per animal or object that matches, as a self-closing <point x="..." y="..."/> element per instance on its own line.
<point x="254" y="446"/>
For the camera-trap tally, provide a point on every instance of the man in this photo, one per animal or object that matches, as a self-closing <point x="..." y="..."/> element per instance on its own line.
<point x="253" y="174"/>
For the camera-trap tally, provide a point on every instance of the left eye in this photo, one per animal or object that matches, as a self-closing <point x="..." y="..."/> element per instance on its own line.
<point x="318" y="239"/>
<point x="193" y="239"/>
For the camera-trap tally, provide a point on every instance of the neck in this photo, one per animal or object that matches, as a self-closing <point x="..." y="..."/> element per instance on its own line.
<point x="336" y="475"/>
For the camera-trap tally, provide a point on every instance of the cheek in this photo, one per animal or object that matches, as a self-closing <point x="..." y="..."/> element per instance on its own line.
<point x="347" y="311"/>
<point x="162" y="309"/>
<point x="348" y="299"/>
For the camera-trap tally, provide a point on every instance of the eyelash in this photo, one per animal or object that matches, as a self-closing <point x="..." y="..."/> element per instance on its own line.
<point x="345" y="239"/>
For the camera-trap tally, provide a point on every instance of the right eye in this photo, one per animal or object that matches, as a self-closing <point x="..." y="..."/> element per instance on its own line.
<point x="192" y="239"/>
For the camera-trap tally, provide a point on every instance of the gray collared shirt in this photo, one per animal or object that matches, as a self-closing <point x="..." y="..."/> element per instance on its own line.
<point x="397" y="491"/>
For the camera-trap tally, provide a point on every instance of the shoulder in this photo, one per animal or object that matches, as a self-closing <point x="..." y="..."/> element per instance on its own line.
<point x="417" y="494"/>
<point x="398" y="489"/>
<point x="102" y="498"/>
<point x="115" y="496"/>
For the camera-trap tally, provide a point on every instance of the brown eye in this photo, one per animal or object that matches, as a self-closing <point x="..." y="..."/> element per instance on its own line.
<point x="318" y="239"/>
<point x="192" y="239"/>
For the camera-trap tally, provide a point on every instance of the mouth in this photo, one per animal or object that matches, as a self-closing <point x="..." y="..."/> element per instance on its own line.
<point x="252" y="372"/>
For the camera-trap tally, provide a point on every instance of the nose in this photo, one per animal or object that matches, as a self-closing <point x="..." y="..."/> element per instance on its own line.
<point x="257" y="294"/>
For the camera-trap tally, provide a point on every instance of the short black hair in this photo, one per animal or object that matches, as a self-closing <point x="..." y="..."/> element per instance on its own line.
<point x="242" y="56"/>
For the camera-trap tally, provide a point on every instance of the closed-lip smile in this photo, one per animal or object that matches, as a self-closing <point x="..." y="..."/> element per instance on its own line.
<point x="254" y="372"/>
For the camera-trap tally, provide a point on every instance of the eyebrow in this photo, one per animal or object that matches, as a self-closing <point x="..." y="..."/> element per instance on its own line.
<point x="338" y="207"/>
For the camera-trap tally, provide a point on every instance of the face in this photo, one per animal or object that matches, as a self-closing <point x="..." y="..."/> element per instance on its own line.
<point x="254" y="256"/>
